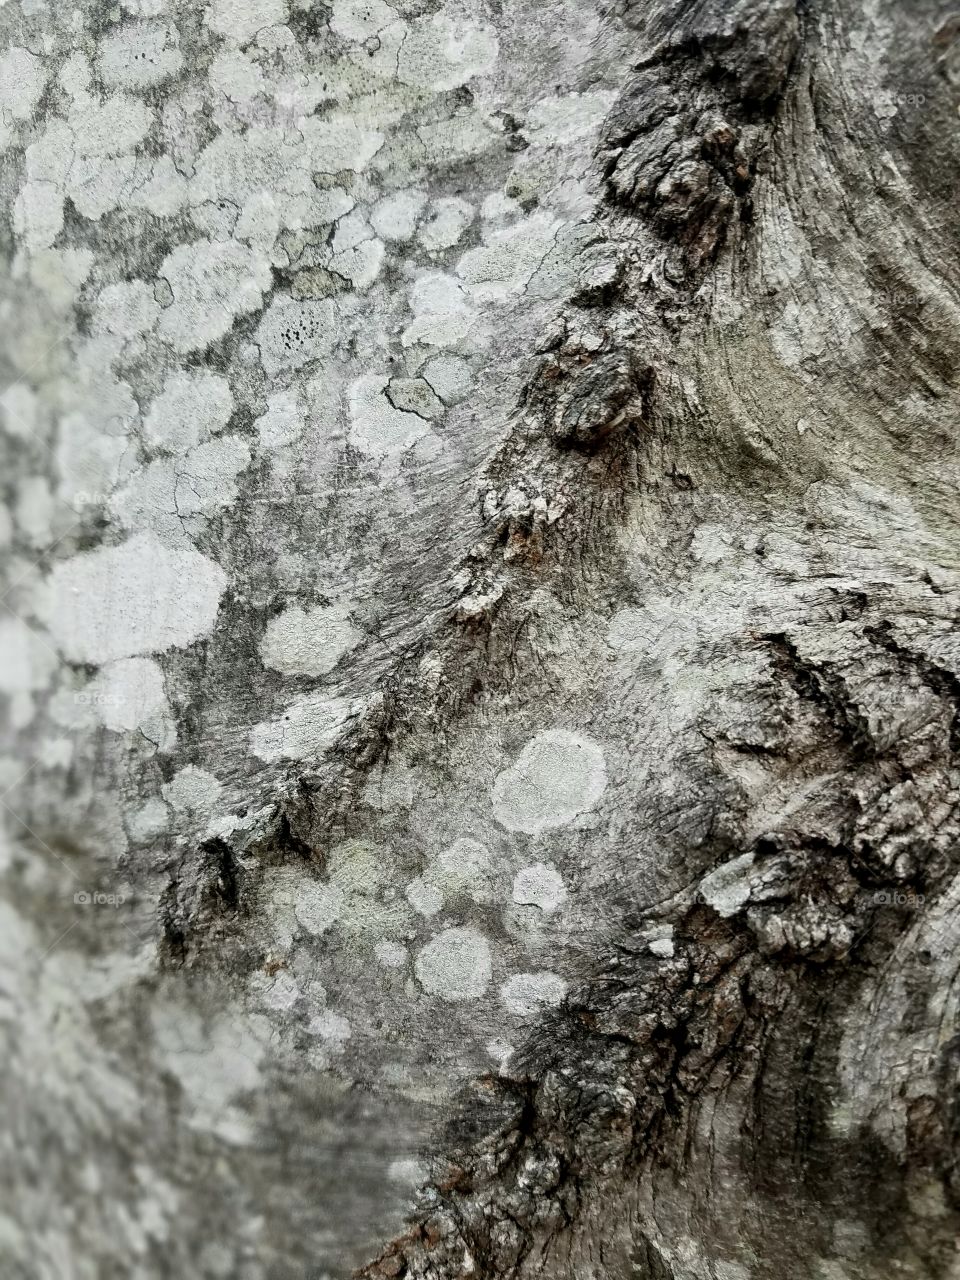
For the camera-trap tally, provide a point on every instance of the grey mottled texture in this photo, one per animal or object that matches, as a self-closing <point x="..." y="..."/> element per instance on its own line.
<point x="479" y="640"/>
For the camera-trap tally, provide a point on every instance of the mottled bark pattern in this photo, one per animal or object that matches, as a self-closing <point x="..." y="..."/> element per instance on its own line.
<point x="501" y="647"/>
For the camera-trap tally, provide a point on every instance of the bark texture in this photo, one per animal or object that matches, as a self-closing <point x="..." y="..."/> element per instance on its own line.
<point x="481" y="640"/>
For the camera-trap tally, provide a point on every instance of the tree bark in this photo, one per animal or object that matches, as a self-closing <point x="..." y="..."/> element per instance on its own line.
<point x="481" y="632"/>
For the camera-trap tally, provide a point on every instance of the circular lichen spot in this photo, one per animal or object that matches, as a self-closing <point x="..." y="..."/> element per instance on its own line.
<point x="424" y="897"/>
<point x="455" y="965"/>
<point x="319" y="907"/>
<point x="529" y="993"/>
<point x="540" y="885"/>
<point x="557" y="776"/>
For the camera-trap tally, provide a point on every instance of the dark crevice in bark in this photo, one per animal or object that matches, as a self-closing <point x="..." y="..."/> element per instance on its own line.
<point x="944" y="682"/>
<point x="826" y="689"/>
<point x="684" y="142"/>
<point x="669" y="1035"/>
<point x="201" y="909"/>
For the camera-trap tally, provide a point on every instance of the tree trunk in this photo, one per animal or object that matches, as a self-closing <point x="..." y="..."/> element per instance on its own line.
<point x="480" y="640"/>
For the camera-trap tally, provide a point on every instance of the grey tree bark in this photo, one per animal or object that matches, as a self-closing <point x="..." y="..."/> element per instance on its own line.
<point x="480" y="640"/>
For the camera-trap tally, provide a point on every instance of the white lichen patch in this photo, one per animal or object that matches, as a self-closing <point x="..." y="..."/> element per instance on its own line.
<point x="238" y="21"/>
<point x="309" y="727"/>
<point x="635" y="630"/>
<point x="235" y="76"/>
<point x="23" y="78"/>
<point x="149" y="821"/>
<point x="357" y="255"/>
<point x="213" y="1062"/>
<point x="425" y="898"/>
<point x="309" y="642"/>
<point x="351" y="231"/>
<point x="373" y="910"/>
<point x="358" y="867"/>
<point x="391" y="955"/>
<point x="443" y="313"/>
<point x="557" y="776"/>
<point x="338" y="143"/>
<point x="557" y="122"/>
<point x="149" y="502"/>
<point x="282" y="423"/>
<point x="318" y="906"/>
<point x="540" y="885"/>
<point x="126" y="309"/>
<point x="141" y="597"/>
<point x="455" y="965"/>
<point x="727" y="888"/>
<point x="212" y="284"/>
<point x="130" y="696"/>
<point x="505" y="263"/>
<point x="174" y="499"/>
<point x="376" y="427"/>
<point x="500" y="1050"/>
<point x="164" y="190"/>
<point x="464" y="870"/>
<point x="450" y="376"/>
<point x="279" y="994"/>
<point x="526" y="994"/>
<point x="462" y="136"/>
<point x="711" y="543"/>
<point x="58" y="274"/>
<point x="88" y="157"/>
<point x="446" y="221"/>
<point x="34" y="509"/>
<point x="231" y="169"/>
<point x="38" y="214"/>
<point x="460" y="874"/>
<point x="360" y="20"/>
<point x="659" y="939"/>
<point x="111" y="127"/>
<point x="108" y="400"/>
<point x="443" y="52"/>
<point x="193" y="405"/>
<point x="395" y="216"/>
<point x="193" y="791"/>
<point x="27" y="661"/>
<point x="206" y="479"/>
<point x="333" y="1028"/>
<point x="293" y="333"/>
<point x="139" y="55"/>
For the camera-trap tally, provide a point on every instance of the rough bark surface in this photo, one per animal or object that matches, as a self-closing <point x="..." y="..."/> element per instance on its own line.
<point x="479" y="638"/>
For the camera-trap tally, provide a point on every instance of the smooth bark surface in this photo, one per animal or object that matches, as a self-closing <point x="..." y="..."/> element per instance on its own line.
<point x="480" y="640"/>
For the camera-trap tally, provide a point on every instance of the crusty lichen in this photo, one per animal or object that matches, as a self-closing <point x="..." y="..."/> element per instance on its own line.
<point x="432" y="629"/>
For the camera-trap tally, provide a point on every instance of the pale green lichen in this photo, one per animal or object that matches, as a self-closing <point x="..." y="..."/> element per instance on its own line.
<point x="557" y="776"/>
